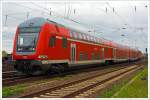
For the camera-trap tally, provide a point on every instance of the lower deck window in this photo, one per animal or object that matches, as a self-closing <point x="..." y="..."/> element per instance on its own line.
<point x="98" y="56"/>
<point x="83" y="56"/>
<point x="92" y="56"/>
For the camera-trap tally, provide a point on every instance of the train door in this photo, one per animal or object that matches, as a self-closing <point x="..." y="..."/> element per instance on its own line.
<point x="103" y="56"/>
<point x="114" y="53"/>
<point x="73" y="52"/>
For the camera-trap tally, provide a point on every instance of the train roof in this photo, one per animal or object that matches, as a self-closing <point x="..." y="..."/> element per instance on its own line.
<point x="34" y="22"/>
<point x="73" y="26"/>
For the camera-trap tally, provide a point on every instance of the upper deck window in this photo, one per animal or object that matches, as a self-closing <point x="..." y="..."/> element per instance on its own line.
<point x="71" y="34"/>
<point x="64" y="42"/>
<point x="88" y="37"/>
<point x="91" y="38"/>
<point x="84" y="36"/>
<point x="80" y="36"/>
<point x="52" y="41"/>
<point x="75" y="35"/>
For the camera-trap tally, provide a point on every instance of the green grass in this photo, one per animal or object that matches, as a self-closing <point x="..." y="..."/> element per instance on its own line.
<point x="109" y="92"/>
<point x="12" y="90"/>
<point x="138" y="88"/>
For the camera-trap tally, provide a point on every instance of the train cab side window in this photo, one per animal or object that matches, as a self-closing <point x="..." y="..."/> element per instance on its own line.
<point x="52" y="41"/>
<point x="64" y="42"/>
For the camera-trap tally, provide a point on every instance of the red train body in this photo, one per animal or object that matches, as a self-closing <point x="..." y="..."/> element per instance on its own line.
<point x="41" y="45"/>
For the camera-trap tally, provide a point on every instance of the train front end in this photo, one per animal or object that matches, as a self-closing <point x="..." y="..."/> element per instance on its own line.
<point x="28" y="48"/>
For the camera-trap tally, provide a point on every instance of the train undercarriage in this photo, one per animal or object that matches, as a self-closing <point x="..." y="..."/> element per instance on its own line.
<point x="35" y="67"/>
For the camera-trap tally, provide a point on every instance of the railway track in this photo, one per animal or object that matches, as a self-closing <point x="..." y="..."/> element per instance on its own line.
<point x="85" y="85"/>
<point x="20" y="79"/>
<point x="14" y="77"/>
<point x="7" y="67"/>
<point x="8" y="74"/>
<point x="11" y="78"/>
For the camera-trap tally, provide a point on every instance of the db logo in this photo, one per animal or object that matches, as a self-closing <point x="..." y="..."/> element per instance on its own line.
<point x="25" y="57"/>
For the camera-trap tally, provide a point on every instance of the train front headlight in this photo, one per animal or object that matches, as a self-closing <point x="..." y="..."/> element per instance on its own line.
<point x="42" y="56"/>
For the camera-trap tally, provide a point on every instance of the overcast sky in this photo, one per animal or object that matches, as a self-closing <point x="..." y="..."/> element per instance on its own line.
<point x="127" y="24"/>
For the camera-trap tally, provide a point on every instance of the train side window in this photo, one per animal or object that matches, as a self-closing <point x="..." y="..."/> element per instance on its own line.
<point x="87" y="37"/>
<point x="84" y="36"/>
<point x="92" y="56"/>
<point x="80" y="36"/>
<point x="91" y="38"/>
<point x="98" y="56"/>
<point x="81" y="56"/>
<point x="97" y="40"/>
<point x="74" y="35"/>
<point x="52" y="41"/>
<point x="102" y="51"/>
<point x="64" y="42"/>
<point x="71" y="34"/>
<point x="85" y="56"/>
<point x="106" y="49"/>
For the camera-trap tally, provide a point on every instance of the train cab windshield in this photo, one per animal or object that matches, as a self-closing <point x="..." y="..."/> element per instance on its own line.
<point x="27" y="39"/>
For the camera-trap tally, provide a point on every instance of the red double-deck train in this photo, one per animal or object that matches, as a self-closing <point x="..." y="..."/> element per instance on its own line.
<point x="41" y="45"/>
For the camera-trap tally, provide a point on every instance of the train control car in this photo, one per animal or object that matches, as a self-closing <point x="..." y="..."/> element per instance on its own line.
<point x="42" y="45"/>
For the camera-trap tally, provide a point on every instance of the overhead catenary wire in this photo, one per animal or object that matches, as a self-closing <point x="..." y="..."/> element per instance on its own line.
<point x="55" y="12"/>
<point x="136" y="30"/>
<point x="28" y="15"/>
<point x="12" y="15"/>
<point x="17" y="13"/>
<point x="27" y="7"/>
<point x="113" y="10"/>
<point x="73" y="20"/>
<point x="6" y="19"/>
<point x="68" y="14"/>
<point x="70" y="10"/>
<point x="46" y="11"/>
<point x="65" y="9"/>
<point x="122" y="19"/>
<point x="9" y="16"/>
<point x="104" y="26"/>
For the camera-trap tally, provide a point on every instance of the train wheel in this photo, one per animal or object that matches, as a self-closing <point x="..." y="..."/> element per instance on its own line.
<point x="56" y="68"/>
<point x="106" y="62"/>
